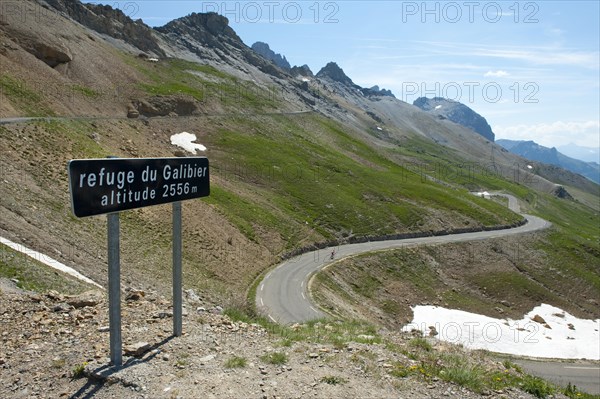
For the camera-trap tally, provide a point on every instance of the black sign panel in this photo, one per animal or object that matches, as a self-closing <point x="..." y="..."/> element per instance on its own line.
<point x="109" y="185"/>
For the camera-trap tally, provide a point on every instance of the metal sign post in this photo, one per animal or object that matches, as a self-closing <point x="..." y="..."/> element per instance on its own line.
<point x="177" y="285"/>
<point x="109" y="186"/>
<point x="114" y="289"/>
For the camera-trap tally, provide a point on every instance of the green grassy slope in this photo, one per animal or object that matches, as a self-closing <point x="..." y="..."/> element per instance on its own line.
<point x="281" y="180"/>
<point x="560" y="266"/>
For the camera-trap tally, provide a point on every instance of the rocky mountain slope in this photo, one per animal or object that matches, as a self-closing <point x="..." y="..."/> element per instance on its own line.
<point x="535" y="152"/>
<point x="296" y="160"/>
<point x="456" y="112"/>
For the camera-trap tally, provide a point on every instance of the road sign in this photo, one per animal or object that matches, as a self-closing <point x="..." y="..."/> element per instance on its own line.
<point x="108" y="185"/>
<point x="111" y="185"/>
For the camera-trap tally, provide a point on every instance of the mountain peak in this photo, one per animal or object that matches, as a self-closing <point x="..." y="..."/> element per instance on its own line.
<point x="278" y="59"/>
<point x="335" y="73"/>
<point x="210" y="29"/>
<point x="303" y="70"/>
<point x="457" y="113"/>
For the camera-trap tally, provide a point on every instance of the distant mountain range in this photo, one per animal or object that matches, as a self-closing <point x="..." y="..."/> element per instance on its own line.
<point x="536" y="152"/>
<point x="587" y="154"/>
<point x="457" y="113"/>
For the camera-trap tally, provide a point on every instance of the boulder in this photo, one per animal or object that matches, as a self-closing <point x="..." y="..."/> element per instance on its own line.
<point x="134" y="295"/>
<point x="132" y="112"/>
<point x="89" y="298"/>
<point x="51" y="54"/>
<point x="137" y="349"/>
<point x="165" y="106"/>
<point x="538" y="319"/>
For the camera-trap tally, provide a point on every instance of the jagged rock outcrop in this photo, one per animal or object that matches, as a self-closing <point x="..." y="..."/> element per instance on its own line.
<point x="210" y="30"/>
<point x="303" y="70"/>
<point x="561" y="192"/>
<point x="50" y="50"/>
<point x="334" y="72"/>
<point x="264" y="50"/>
<point x="201" y="31"/>
<point x="52" y="55"/>
<point x="162" y="106"/>
<point x="375" y="91"/>
<point x="457" y="113"/>
<point x="112" y="22"/>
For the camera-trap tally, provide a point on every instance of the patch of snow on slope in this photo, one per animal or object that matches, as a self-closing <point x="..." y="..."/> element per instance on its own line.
<point x="48" y="261"/>
<point x="186" y="140"/>
<point x="553" y="334"/>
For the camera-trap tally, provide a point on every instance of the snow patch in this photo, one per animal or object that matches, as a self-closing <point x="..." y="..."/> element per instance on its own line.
<point x="48" y="261"/>
<point x="554" y="333"/>
<point x="438" y="107"/>
<point x="186" y="140"/>
<point x="483" y="194"/>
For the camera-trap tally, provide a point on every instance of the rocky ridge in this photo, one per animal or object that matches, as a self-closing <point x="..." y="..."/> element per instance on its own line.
<point x="333" y="72"/>
<point x="111" y="22"/>
<point x="457" y="113"/>
<point x="264" y="50"/>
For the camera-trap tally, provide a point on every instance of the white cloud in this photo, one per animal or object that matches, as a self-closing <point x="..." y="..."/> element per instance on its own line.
<point x="496" y="74"/>
<point x="538" y="55"/>
<point x="549" y="56"/>
<point x="585" y="133"/>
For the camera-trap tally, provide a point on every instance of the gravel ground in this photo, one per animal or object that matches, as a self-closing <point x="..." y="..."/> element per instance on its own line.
<point x="58" y="346"/>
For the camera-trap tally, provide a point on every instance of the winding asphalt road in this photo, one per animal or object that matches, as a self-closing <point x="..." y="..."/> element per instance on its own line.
<point x="283" y="294"/>
<point x="584" y="375"/>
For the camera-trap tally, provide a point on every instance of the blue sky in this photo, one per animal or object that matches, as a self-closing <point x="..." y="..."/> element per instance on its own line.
<point x="530" y="68"/>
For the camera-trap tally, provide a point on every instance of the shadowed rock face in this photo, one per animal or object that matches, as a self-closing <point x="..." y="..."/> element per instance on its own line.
<point x="163" y="106"/>
<point x="303" y="70"/>
<point x="264" y="50"/>
<point x="376" y="91"/>
<point x="51" y="55"/>
<point x="335" y="73"/>
<point x="112" y="22"/>
<point x="210" y="29"/>
<point x="197" y="32"/>
<point x="457" y="113"/>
